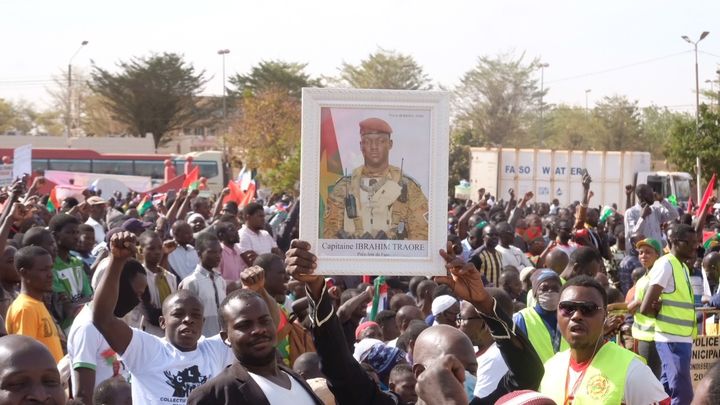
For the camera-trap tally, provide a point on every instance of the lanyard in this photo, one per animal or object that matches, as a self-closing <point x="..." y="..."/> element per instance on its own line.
<point x="569" y="398"/>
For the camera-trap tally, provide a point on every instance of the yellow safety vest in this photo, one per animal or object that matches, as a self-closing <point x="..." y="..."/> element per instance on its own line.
<point x="677" y="312"/>
<point x="643" y="327"/>
<point x="603" y="382"/>
<point x="539" y="335"/>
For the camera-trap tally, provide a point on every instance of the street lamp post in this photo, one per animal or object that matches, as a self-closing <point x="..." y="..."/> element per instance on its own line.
<point x="542" y="105"/>
<point x="69" y="112"/>
<point x="222" y="53"/>
<point x="587" y="110"/>
<point x="697" y="106"/>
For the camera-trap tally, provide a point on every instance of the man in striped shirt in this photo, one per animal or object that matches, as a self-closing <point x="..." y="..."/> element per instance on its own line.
<point x="485" y="258"/>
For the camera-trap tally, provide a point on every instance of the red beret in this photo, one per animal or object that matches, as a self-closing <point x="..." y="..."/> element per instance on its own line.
<point x="374" y="126"/>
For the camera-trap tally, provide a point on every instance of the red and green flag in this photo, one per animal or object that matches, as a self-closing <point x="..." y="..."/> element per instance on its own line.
<point x="379" y="301"/>
<point x="53" y="205"/>
<point x="709" y="191"/>
<point x="192" y="179"/>
<point x="331" y="168"/>
<point x="144" y="204"/>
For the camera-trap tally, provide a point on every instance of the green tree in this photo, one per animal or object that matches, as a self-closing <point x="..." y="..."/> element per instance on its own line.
<point x="384" y="69"/>
<point x="288" y="76"/>
<point x="621" y="119"/>
<point x="8" y="116"/>
<point x="267" y="137"/>
<point x="684" y="144"/>
<point x="155" y="94"/>
<point x="461" y="140"/>
<point x="572" y="128"/>
<point x="657" y="123"/>
<point x="498" y="99"/>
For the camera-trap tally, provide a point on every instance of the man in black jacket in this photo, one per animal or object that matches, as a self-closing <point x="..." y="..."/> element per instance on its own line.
<point x="346" y="378"/>
<point x="255" y="378"/>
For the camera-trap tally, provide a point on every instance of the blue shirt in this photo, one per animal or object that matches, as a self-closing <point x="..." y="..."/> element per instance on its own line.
<point x="548" y="317"/>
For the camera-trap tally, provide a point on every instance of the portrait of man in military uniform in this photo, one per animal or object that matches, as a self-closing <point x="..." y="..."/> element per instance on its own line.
<point x="376" y="200"/>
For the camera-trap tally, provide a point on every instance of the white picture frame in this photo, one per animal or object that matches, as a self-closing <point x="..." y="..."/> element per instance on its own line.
<point x="418" y="149"/>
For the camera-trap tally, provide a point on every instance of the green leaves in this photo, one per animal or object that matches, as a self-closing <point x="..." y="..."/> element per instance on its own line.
<point x="155" y="94"/>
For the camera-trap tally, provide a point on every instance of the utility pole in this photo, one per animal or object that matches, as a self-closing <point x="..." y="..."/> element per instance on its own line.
<point x="222" y="53"/>
<point x="69" y="112"/>
<point x="697" y="109"/>
<point x="542" y="105"/>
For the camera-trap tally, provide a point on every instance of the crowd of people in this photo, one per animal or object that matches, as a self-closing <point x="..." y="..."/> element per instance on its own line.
<point x="199" y="301"/>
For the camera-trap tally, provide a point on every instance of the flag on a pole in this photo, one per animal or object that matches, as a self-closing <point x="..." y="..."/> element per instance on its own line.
<point x="709" y="191"/>
<point x="144" y="204"/>
<point x="192" y="180"/>
<point x="379" y="301"/>
<point x="53" y="205"/>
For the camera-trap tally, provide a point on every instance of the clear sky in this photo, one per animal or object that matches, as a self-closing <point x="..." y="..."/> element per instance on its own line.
<point x="578" y="39"/>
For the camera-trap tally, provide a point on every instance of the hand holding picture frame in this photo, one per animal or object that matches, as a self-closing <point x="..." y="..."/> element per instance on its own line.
<point x="374" y="172"/>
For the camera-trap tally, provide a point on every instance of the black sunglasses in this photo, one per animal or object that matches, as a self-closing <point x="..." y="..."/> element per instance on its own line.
<point x="568" y="308"/>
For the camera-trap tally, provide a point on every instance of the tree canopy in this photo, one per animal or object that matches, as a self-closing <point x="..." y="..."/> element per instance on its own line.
<point x="274" y="74"/>
<point x="385" y="69"/>
<point x="155" y="94"/>
<point x="497" y="99"/>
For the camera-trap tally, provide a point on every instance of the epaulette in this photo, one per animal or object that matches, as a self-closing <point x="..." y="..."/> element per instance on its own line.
<point x="406" y="178"/>
<point x="341" y="179"/>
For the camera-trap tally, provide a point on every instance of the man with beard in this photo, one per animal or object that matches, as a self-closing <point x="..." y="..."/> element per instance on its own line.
<point x="255" y="377"/>
<point x="162" y="370"/>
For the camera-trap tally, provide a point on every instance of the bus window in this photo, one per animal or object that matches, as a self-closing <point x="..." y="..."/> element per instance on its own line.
<point x="124" y="167"/>
<point x="659" y="184"/>
<point x="682" y="188"/>
<point x="208" y="169"/>
<point x="70" y="165"/>
<point x="40" y="164"/>
<point x="151" y="168"/>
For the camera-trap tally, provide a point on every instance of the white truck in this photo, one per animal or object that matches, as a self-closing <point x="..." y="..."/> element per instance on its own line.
<point x="557" y="174"/>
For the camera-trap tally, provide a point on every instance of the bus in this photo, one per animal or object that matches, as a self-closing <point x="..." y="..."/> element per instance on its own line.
<point x="212" y="165"/>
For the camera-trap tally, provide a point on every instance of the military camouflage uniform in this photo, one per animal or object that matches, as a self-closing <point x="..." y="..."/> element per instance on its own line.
<point x="388" y="207"/>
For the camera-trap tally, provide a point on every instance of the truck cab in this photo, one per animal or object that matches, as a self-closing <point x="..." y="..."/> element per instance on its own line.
<point x="678" y="184"/>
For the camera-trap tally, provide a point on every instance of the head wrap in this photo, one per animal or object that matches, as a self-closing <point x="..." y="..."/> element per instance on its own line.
<point x="363" y="346"/>
<point x="442" y="303"/>
<point x="382" y="358"/>
<point x="542" y="275"/>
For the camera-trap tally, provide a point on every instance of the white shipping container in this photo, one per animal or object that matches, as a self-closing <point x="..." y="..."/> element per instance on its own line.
<point x="555" y="173"/>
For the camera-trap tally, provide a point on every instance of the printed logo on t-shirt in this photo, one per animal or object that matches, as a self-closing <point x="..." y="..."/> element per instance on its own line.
<point x="47" y="328"/>
<point x="185" y="381"/>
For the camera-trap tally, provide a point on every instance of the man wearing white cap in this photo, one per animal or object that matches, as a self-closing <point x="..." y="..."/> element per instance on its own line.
<point x="445" y="309"/>
<point x="97" y="214"/>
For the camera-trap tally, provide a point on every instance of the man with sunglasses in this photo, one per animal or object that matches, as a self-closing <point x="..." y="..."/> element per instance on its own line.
<point x="593" y="370"/>
<point x="669" y="299"/>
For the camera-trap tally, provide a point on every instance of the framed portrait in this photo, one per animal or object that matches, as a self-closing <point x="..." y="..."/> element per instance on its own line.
<point x="373" y="189"/>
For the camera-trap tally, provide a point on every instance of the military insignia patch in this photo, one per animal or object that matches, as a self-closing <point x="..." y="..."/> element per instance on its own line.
<point x="598" y="387"/>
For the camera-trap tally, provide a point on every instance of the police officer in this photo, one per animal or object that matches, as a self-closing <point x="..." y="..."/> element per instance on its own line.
<point x="377" y="201"/>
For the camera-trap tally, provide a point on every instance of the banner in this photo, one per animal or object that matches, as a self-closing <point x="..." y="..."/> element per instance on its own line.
<point x="705" y="352"/>
<point x="22" y="161"/>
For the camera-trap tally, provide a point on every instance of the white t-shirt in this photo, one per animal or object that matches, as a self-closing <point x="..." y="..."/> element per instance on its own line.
<point x="260" y="243"/>
<point x="491" y="369"/>
<point x="161" y="374"/>
<point x="277" y="395"/>
<point x="513" y="256"/>
<point x="87" y="348"/>
<point x="641" y="386"/>
<point x="183" y="260"/>
<point x="99" y="271"/>
<point x="661" y="274"/>
<point x="98" y="228"/>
